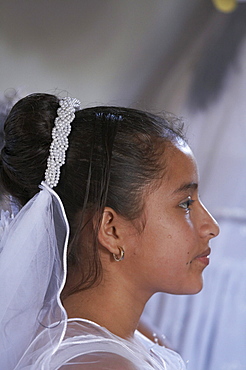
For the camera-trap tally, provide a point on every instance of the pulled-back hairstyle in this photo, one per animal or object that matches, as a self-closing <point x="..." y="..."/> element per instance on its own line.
<point x="6" y="102"/>
<point x="114" y="154"/>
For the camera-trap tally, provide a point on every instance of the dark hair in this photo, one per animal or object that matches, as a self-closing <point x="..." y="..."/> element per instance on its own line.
<point x="113" y="154"/>
<point x="6" y="102"/>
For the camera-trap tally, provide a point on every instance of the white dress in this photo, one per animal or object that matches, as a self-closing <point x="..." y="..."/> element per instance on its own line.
<point x="87" y="345"/>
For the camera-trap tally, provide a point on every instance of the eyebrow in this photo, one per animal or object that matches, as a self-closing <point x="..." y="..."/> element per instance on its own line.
<point x="185" y="187"/>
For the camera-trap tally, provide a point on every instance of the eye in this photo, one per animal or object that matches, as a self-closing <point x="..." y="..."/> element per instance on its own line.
<point x="186" y="205"/>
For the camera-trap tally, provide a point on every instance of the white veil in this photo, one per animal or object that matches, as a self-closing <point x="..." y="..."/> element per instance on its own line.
<point x="32" y="275"/>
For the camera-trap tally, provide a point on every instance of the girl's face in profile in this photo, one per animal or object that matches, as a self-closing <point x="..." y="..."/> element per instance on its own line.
<point x="172" y="251"/>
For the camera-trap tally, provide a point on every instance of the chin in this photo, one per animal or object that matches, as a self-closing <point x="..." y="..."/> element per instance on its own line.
<point x="188" y="287"/>
<point x="196" y="289"/>
<point x="191" y="289"/>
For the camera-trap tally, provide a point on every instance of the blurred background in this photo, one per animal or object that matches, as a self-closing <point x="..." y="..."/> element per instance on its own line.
<point x="183" y="56"/>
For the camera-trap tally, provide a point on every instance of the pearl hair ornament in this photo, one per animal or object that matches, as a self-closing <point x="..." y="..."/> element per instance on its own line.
<point x="59" y="144"/>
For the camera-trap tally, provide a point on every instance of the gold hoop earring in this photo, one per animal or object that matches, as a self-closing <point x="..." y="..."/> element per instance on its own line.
<point x="120" y="256"/>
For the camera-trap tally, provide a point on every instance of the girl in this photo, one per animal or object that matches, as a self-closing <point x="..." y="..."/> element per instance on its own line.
<point x="125" y="184"/>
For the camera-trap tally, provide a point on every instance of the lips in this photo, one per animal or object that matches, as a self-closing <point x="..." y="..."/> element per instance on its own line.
<point x="204" y="257"/>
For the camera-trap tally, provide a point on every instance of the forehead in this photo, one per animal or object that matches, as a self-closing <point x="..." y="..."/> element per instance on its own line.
<point x="181" y="167"/>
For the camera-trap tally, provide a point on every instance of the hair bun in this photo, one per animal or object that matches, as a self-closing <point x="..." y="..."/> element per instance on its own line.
<point x="27" y="140"/>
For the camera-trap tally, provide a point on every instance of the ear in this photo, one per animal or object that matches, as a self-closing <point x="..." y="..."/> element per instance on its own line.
<point x="110" y="231"/>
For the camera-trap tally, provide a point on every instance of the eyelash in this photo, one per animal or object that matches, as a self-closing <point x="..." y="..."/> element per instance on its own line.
<point x="186" y="205"/>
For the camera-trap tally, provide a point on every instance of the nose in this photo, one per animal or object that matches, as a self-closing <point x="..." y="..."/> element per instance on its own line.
<point x="209" y="226"/>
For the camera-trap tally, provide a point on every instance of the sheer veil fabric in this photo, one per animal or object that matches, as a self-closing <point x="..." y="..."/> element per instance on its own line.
<point x="32" y="275"/>
<point x="34" y="330"/>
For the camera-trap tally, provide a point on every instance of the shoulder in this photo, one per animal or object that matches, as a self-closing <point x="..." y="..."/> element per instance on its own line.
<point x="89" y="346"/>
<point x="99" y="361"/>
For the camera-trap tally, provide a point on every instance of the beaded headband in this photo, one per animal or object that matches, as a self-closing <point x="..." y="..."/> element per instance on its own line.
<point x="59" y="145"/>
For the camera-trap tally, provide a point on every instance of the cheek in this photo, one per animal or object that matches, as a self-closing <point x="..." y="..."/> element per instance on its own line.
<point x="182" y="244"/>
<point x="168" y="238"/>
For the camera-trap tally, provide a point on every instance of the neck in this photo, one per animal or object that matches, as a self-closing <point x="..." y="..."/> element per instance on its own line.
<point x="112" y="305"/>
